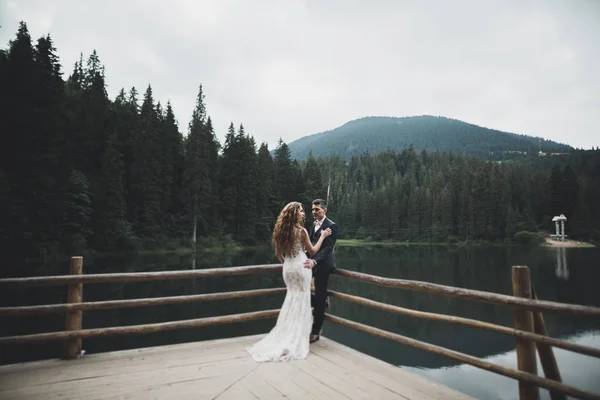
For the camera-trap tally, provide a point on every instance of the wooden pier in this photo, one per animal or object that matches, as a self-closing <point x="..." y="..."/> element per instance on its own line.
<point x="217" y="369"/>
<point x="223" y="369"/>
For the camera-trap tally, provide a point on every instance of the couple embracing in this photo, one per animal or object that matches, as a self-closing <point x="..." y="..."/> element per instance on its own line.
<point x="296" y="327"/>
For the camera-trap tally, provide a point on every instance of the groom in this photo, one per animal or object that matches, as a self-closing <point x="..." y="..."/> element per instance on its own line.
<point x="322" y="263"/>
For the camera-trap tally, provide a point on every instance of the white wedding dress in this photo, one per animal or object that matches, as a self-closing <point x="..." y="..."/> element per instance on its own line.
<point x="289" y="339"/>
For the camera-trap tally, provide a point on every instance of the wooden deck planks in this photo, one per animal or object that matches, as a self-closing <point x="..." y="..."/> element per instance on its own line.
<point x="218" y="369"/>
<point x="384" y="374"/>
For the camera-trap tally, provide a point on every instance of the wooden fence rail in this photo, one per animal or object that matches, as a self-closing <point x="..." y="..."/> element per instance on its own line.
<point x="521" y="376"/>
<point x="563" y="344"/>
<point x="139" y="276"/>
<point x="139" y="329"/>
<point x="474" y="295"/>
<point x="153" y="301"/>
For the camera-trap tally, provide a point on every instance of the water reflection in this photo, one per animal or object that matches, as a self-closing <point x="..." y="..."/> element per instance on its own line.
<point x="562" y="271"/>
<point x="580" y="371"/>
<point x="194" y="256"/>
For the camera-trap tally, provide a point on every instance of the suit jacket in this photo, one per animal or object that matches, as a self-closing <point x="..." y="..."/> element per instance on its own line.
<point x="324" y="256"/>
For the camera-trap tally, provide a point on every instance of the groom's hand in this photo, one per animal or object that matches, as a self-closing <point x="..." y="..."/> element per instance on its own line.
<point x="309" y="263"/>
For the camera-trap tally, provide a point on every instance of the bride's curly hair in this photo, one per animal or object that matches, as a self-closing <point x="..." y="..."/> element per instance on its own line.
<point x="287" y="228"/>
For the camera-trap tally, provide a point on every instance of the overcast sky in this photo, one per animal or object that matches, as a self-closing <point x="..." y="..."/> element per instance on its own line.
<point x="290" y="68"/>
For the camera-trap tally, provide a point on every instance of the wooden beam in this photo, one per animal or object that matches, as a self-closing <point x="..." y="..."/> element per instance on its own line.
<point x="474" y="295"/>
<point x="545" y="352"/>
<point x="526" y="356"/>
<point x="147" y="302"/>
<point x="141" y="276"/>
<point x="563" y="344"/>
<point x="73" y="318"/>
<point x="140" y="329"/>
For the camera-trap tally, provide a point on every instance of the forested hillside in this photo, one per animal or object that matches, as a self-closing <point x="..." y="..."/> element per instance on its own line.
<point x="422" y="196"/>
<point x="376" y="134"/>
<point x="80" y="172"/>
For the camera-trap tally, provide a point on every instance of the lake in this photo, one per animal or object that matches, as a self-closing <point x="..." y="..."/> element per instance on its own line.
<point x="563" y="275"/>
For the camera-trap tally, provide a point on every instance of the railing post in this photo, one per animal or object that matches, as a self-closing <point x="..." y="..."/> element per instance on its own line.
<point x="73" y="318"/>
<point x="526" y="358"/>
<point x="545" y="352"/>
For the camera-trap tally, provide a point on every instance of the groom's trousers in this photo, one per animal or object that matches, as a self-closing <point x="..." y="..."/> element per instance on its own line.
<point x="321" y="274"/>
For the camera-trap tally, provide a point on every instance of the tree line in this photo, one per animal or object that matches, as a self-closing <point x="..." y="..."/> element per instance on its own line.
<point x="80" y="171"/>
<point x="438" y="197"/>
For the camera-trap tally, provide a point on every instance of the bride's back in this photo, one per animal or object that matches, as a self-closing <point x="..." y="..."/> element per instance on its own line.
<point x="291" y="246"/>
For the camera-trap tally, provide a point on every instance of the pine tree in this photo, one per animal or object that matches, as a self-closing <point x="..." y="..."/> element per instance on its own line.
<point x="557" y="201"/>
<point x="77" y="223"/>
<point x="173" y="148"/>
<point x="511" y="222"/>
<point x="247" y="176"/>
<point x="91" y="134"/>
<point x="570" y="190"/>
<point x="18" y="94"/>
<point x="298" y="191"/>
<point x="445" y="212"/>
<point x="111" y="231"/>
<point x="265" y="196"/>
<point x="313" y="182"/>
<point x="285" y="176"/>
<point x="147" y="162"/>
<point x="228" y="180"/>
<point x="498" y="197"/>
<point x="48" y="147"/>
<point x="34" y="172"/>
<point x="124" y="122"/>
<point x="213" y="148"/>
<point x="200" y="149"/>
<point x="75" y="115"/>
<point x="479" y="200"/>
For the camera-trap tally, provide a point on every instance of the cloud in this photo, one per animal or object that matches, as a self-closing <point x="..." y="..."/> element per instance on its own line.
<point x="289" y="69"/>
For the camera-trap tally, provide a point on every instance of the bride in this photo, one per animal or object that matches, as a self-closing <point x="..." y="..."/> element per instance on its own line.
<point x="289" y="338"/>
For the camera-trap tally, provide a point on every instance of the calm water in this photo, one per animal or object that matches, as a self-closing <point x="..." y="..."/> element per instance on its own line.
<point x="563" y="275"/>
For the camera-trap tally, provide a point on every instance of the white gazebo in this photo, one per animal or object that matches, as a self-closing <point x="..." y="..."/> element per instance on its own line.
<point x="559" y="221"/>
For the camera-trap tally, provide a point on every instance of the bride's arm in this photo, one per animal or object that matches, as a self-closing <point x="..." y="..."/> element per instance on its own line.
<point x="308" y="246"/>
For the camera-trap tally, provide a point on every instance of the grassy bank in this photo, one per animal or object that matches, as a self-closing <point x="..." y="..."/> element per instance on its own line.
<point x="232" y="247"/>
<point x="362" y="242"/>
<point x="179" y="251"/>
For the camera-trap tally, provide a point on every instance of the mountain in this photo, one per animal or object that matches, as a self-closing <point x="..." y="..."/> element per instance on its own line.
<point x="376" y="134"/>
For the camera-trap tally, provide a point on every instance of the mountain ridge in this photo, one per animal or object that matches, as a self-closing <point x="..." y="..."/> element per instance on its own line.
<point x="379" y="133"/>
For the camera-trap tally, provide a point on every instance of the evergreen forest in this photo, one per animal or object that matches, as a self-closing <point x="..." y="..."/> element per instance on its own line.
<point x="81" y="172"/>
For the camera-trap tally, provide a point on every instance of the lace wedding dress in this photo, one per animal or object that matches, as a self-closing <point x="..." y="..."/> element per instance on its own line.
<point x="289" y="338"/>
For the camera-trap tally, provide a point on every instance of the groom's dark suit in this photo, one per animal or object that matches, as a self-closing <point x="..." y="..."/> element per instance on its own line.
<point x="325" y="264"/>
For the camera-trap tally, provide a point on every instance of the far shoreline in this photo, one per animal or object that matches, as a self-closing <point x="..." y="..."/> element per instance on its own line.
<point x="567" y="243"/>
<point x="548" y="243"/>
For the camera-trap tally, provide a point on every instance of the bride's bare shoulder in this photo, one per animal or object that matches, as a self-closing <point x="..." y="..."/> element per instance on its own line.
<point x="303" y="231"/>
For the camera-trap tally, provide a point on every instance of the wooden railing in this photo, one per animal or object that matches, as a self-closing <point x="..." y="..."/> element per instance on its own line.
<point x="529" y="330"/>
<point x="73" y="332"/>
